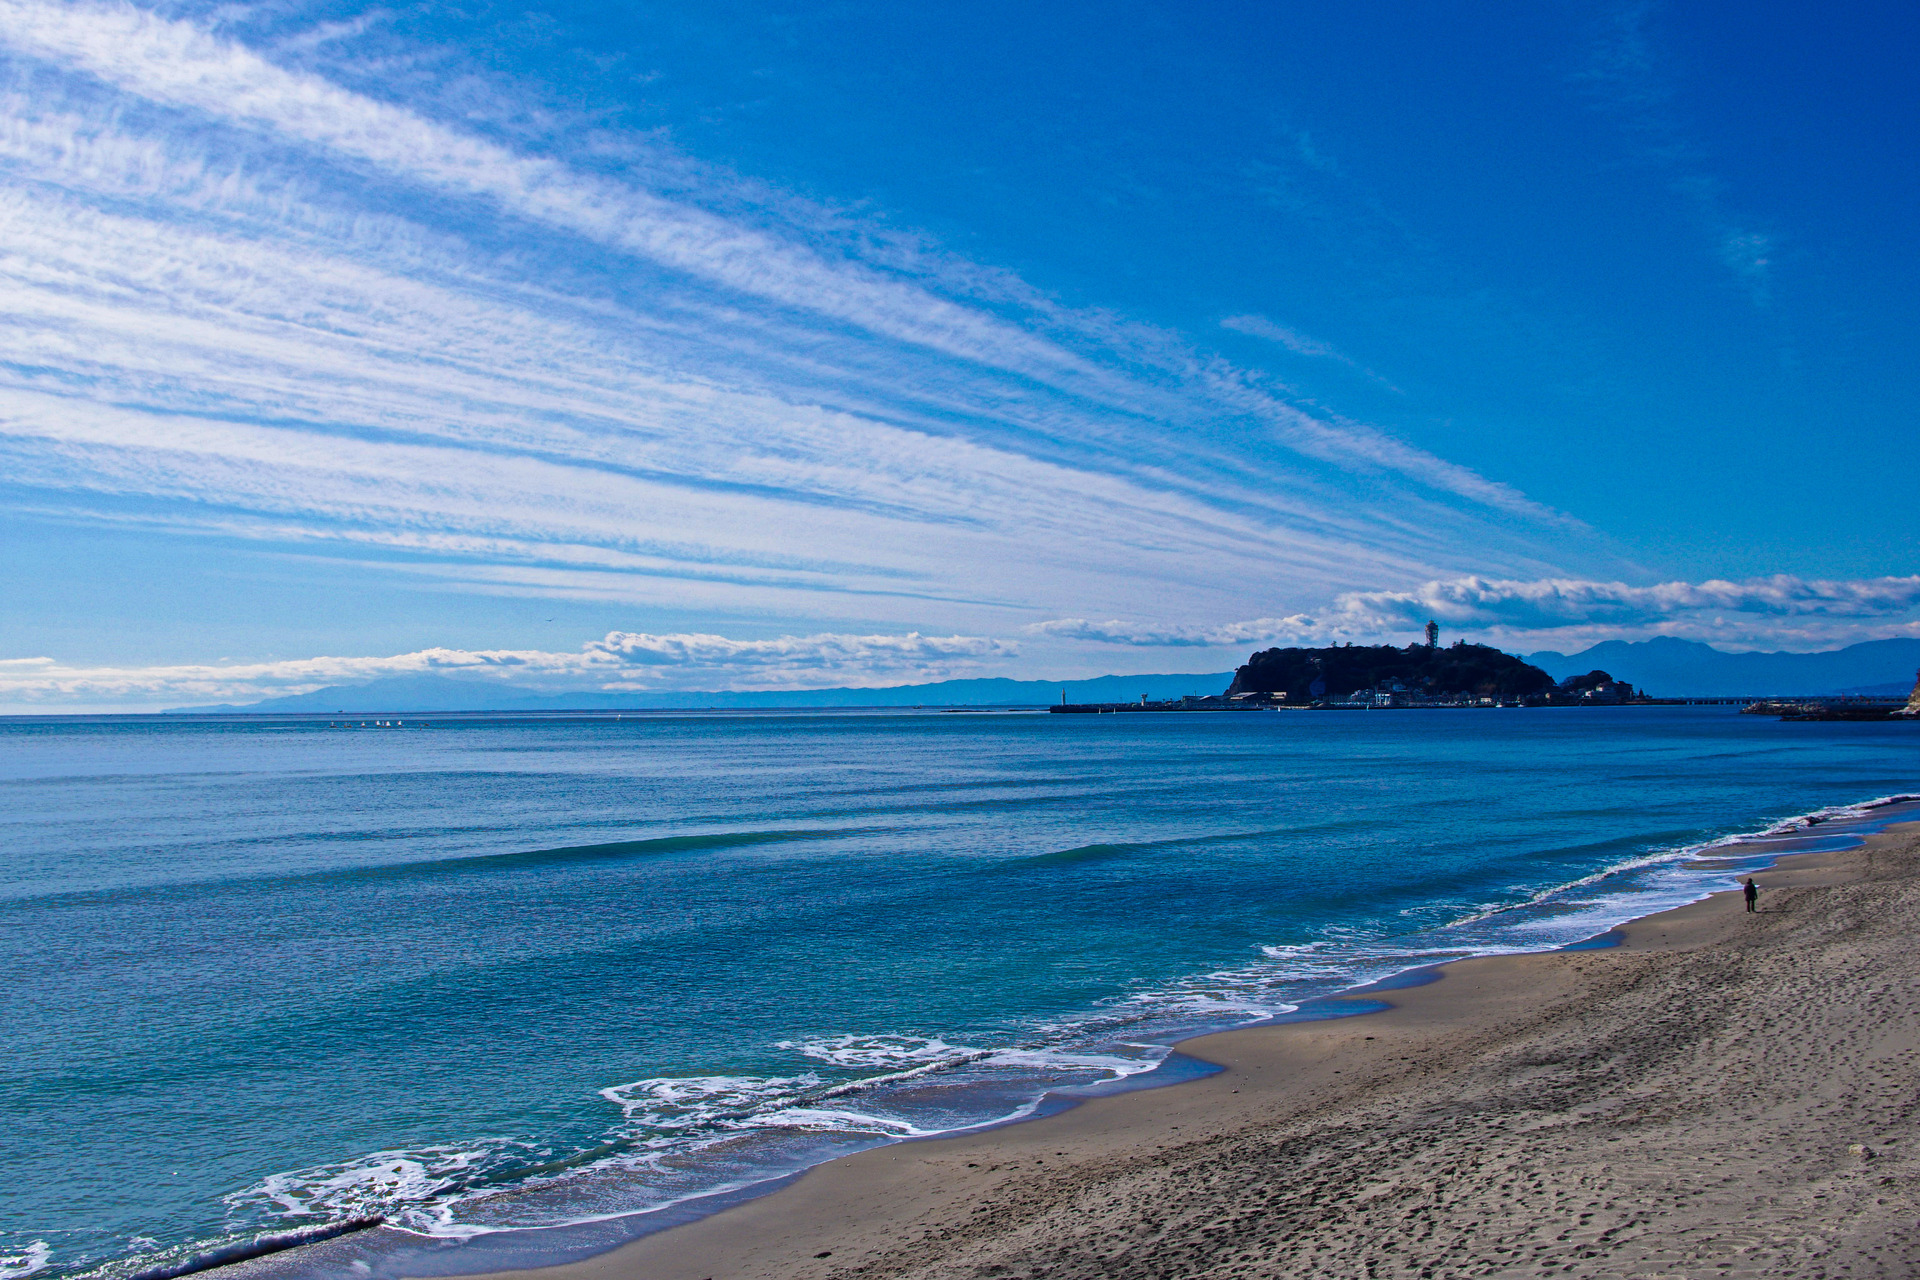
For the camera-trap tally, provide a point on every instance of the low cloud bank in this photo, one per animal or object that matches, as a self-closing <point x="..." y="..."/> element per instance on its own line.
<point x="1567" y="614"/>
<point x="622" y="660"/>
<point x="1781" y="611"/>
<point x="1558" y="602"/>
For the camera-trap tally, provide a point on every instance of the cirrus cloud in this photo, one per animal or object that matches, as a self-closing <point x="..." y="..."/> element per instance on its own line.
<point x="253" y="306"/>
<point x="1144" y="635"/>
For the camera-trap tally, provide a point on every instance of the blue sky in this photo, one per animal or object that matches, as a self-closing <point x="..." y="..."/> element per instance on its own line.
<point x="733" y="345"/>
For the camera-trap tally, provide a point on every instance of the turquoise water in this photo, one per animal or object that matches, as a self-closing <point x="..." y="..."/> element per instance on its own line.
<point x="476" y="974"/>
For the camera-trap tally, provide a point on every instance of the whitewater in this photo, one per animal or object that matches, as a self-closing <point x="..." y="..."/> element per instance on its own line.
<point x="520" y="987"/>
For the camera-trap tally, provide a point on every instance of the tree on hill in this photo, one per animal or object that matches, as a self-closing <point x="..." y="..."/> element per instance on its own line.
<point x="1596" y="685"/>
<point x="1471" y="670"/>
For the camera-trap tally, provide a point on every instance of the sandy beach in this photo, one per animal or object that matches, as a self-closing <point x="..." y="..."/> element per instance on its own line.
<point x="1724" y="1094"/>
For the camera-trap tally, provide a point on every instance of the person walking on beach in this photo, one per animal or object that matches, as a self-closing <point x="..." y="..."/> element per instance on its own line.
<point x="1753" y="894"/>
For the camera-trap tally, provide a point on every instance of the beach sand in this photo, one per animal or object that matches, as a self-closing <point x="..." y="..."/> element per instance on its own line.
<point x="1724" y="1094"/>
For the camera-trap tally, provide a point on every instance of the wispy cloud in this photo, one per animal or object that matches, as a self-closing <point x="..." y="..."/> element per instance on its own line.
<point x="545" y="378"/>
<point x="792" y="657"/>
<point x="245" y="301"/>
<point x="1749" y="255"/>
<point x="1258" y="326"/>
<point x="1626" y="76"/>
<point x="183" y="65"/>
<point x="1293" y="340"/>
<point x="1295" y="629"/>
<point x="622" y="661"/>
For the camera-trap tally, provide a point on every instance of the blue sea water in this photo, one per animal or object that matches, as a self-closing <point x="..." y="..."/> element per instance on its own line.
<point x="481" y="975"/>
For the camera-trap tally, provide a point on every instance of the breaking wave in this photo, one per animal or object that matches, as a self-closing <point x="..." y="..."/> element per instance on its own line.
<point x="34" y="1257"/>
<point x="677" y="1137"/>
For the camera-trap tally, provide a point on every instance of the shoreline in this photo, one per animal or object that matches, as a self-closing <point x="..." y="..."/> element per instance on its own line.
<point x="395" y="1252"/>
<point x="1018" y="1192"/>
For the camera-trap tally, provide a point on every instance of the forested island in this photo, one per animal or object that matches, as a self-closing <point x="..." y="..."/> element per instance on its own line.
<point x="1352" y="677"/>
<point x="1459" y="672"/>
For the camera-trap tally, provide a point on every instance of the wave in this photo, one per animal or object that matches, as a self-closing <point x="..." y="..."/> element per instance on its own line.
<point x="889" y="1052"/>
<point x="1084" y="853"/>
<point x="394" y="1184"/>
<point x="24" y="1263"/>
<point x="1104" y="851"/>
<point x="1728" y="846"/>
<point x="670" y="1103"/>
<point x="255" y="1247"/>
<point x="481" y="863"/>
<point x="614" y="850"/>
<point x="672" y="1132"/>
<point x="449" y="1191"/>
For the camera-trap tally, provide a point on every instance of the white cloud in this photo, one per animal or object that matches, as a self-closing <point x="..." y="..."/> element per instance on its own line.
<point x="1779" y="611"/>
<point x="380" y="388"/>
<point x="1296" y="629"/>
<point x="790" y="657"/>
<point x="543" y="378"/>
<point x="1523" y="616"/>
<point x="1356" y="445"/>
<point x="550" y="377"/>
<point x="173" y="62"/>
<point x="178" y="63"/>
<point x="1629" y="76"/>
<point x="621" y="661"/>
<point x="1257" y="326"/>
<point x="1292" y="339"/>
<point x="1559" y="602"/>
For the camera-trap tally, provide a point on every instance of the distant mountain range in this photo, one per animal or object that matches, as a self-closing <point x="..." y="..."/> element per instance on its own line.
<point x="1669" y="668"/>
<point x="1663" y="666"/>
<point x="439" y="693"/>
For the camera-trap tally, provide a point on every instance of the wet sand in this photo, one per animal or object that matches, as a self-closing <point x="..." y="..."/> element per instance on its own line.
<point x="1724" y="1094"/>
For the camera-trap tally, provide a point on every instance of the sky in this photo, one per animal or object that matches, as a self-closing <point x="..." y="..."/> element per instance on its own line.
<point x="759" y="346"/>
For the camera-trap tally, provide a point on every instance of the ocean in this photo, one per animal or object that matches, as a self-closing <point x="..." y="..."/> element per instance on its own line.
<point x="524" y="986"/>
